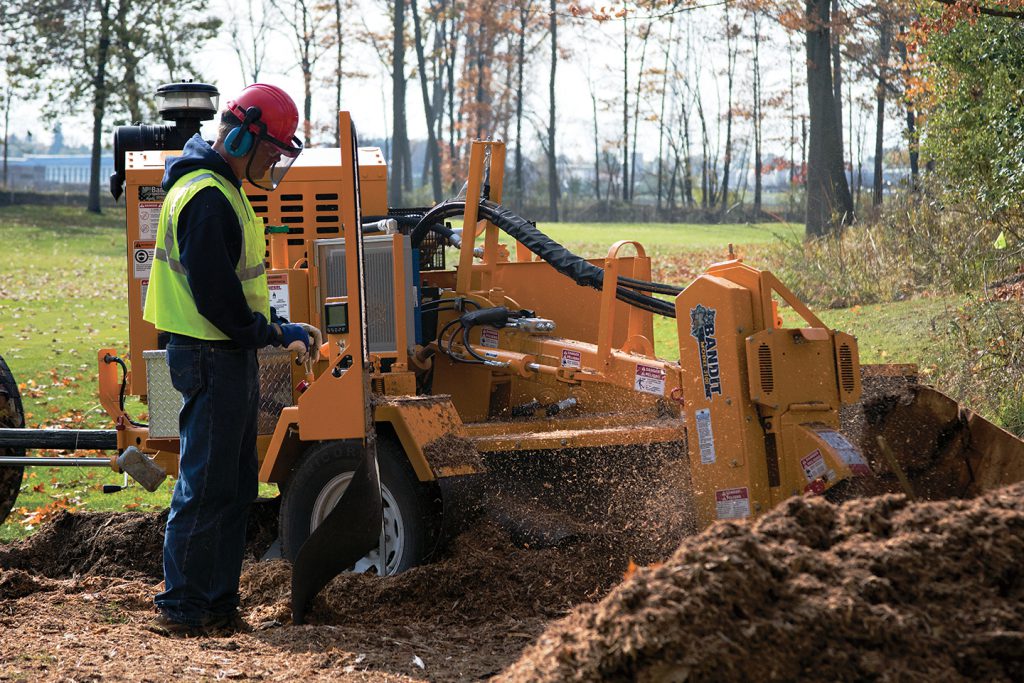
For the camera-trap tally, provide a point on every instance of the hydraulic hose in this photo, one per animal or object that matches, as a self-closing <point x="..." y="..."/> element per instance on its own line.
<point x="629" y="290"/>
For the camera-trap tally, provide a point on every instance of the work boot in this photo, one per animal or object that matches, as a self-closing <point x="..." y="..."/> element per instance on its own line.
<point x="226" y="624"/>
<point x="163" y="625"/>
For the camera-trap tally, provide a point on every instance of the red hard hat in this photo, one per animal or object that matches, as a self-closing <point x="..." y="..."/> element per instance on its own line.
<point x="277" y="110"/>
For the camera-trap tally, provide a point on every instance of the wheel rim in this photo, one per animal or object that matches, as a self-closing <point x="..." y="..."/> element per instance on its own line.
<point x="392" y="540"/>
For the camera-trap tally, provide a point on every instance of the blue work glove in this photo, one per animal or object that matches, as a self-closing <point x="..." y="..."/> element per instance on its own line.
<point x="295" y="338"/>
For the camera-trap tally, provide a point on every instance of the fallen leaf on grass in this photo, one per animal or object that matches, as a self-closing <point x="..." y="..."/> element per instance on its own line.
<point x="40" y="515"/>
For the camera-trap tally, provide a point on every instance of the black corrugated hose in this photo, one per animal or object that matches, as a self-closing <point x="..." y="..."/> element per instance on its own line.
<point x="561" y="259"/>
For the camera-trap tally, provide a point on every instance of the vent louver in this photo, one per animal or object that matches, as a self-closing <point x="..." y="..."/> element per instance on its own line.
<point x="846" y="378"/>
<point x="764" y="361"/>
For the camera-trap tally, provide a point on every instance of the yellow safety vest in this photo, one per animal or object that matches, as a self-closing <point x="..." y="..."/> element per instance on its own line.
<point x="169" y="303"/>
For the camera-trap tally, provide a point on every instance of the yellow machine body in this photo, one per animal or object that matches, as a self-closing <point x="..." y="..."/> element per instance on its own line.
<point x="756" y="404"/>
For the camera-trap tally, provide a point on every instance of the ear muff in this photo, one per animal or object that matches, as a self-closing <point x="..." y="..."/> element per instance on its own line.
<point x="239" y="141"/>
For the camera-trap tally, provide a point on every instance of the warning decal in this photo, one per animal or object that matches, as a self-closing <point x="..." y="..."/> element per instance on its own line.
<point x="278" y="286"/>
<point x="650" y="380"/>
<point x="145" y="291"/>
<point x="571" y="359"/>
<point x="848" y="453"/>
<point x="149" y="216"/>
<point x="489" y="337"/>
<point x="705" y="436"/>
<point x="142" y="259"/>
<point x="732" y="503"/>
<point x="813" y="465"/>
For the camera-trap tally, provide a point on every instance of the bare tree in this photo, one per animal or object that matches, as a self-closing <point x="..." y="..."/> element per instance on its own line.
<point x="884" y="48"/>
<point x="401" y="159"/>
<point x="757" y="113"/>
<point x="249" y="28"/>
<point x="554" y="190"/>
<point x="732" y="33"/>
<point x="526" y="21"/>
<point x="305" y="21"/>
<point x="662" y="123"/>
<point x="433" y="149"/>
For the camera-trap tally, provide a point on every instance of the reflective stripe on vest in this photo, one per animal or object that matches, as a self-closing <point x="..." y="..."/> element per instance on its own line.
<point x="169" y="303"/>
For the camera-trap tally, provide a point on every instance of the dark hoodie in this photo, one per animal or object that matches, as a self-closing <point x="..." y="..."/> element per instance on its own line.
<point x="210" y="243"/>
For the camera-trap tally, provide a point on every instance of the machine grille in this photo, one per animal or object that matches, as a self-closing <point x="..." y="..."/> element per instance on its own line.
<point x="379" y="259"/>
<point x="846" y="368"/>
<point x="432" y="252"/>
<point x="380" y="295"/>
<point x="764" y="361"/>
<point x="328" y="216"/>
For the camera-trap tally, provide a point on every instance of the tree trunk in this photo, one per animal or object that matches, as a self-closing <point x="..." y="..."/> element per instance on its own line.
<point x="625" y="108"/>
<point x="730" y="49"/>
<point x="450" y="53"/>
<point x="757" y="116"/>
<point x="132" y="96"/>
<point x="307" y="102"/>
<point x="687" y="166"/>
<point x="399" y="136"/>
<point x="661" y="118"/>
<point x="99" y="105"/>
<point x="636" y="111"/>
<point x="911" y="119"/>
<point x="792" y="132"/>
<point x="520" y="62"/>
<point x="554" y="191"/>
<point x="837" y="72"/>
<point x="7" y="126"/>
<point x="433" y="153"/>
<point x="884" y="45"/>
<point x="829" y="204"/>
<point x="705" y="180"/>
<point x="338" y="71"/>
<point x="597" y="150"/>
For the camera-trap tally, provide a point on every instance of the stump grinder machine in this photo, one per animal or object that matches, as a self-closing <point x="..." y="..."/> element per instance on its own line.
<point x="431" y="377"/>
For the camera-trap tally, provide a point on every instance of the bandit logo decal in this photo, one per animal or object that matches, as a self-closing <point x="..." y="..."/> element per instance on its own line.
<point x="702" y="328"/>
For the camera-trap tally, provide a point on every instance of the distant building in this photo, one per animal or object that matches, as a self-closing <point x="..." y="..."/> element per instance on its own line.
<point x="55" y="172"/>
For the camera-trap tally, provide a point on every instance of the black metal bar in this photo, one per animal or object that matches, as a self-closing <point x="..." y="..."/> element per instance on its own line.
<point x="64" y="461"/>
<point x="59" y="439"/>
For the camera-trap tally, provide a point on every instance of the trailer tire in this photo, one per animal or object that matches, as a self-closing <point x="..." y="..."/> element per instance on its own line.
<point x="412" y="509"/>
<point x="12" y="414"/>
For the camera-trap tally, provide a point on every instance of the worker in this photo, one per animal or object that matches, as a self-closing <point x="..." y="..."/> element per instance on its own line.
<point x="208" y="293"/>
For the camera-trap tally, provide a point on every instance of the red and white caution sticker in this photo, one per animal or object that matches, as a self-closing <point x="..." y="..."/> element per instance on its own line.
<point x="277" y="284"/>
<point x="732" y="503"/>
<point x="649" y="379"/>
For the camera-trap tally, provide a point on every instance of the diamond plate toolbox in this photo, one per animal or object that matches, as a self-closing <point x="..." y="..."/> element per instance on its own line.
<point x="165" y="401"/>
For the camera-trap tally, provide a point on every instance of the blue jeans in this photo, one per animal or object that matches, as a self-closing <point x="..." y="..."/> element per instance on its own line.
<point x="217" y="480"/>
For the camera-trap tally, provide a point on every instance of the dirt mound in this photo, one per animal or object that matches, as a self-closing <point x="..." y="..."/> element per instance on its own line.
<point x="122" y="544"/>
<point x="92" y="544"/>
<point x="873" y="588"/>
<point x="483" y="578"/>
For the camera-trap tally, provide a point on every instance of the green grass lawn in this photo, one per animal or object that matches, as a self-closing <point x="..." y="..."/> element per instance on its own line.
<point x="592" y="240"/>
<point x="688" y="236"/>
<point x="62" y="296"/>
<point x="898" y="332"/>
